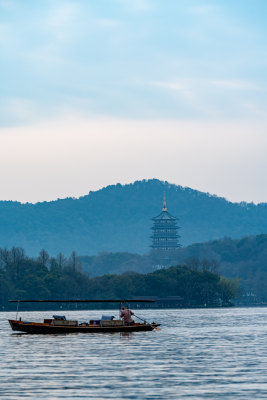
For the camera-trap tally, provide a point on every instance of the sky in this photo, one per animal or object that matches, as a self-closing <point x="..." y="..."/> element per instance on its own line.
<point x="96" y="92"/>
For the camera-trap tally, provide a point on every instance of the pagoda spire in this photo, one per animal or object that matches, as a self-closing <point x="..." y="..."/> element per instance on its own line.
<point x="164" y="203"/>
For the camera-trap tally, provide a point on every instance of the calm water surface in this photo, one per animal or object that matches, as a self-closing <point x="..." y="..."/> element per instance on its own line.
<point x="198" y="354"/>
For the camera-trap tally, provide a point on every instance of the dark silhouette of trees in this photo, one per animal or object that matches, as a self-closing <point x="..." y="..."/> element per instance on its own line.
<point x="22" y="277"/>
<point x="43" y="257"/>
<point x="61" y="260"/>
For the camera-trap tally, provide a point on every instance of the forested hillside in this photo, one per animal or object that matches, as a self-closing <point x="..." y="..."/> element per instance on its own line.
<point x="118" y="219"/>
<point x="245" y="259"/>
<point x="22" y="277"/>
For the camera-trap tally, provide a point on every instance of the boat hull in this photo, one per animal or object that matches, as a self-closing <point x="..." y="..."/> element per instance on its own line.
<point x="42" y="328"/>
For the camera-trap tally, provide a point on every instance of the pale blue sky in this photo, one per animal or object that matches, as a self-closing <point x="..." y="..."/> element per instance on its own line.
<point x="96" y="92"/>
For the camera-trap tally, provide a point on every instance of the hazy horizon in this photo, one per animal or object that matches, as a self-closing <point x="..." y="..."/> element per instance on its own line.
<point x="130" y="183"/>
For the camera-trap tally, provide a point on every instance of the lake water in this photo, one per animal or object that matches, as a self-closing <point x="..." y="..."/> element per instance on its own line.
<point x="198" y="354"/>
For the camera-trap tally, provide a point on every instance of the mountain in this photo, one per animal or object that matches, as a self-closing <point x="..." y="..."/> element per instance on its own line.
<point x="118" y="219"/>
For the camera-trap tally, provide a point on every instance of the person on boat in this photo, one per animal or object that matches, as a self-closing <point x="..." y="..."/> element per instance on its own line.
<point x="126" y="315"/>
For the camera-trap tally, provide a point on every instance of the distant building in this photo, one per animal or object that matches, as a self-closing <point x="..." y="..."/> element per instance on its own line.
<point x="165" y="238"/>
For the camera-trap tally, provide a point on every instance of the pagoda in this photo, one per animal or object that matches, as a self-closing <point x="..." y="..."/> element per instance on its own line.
<point x="165" y="239"/>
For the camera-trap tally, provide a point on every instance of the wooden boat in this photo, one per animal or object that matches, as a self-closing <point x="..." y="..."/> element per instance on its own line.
<point x="59" y="324"/>
<point x="48" y="328"/>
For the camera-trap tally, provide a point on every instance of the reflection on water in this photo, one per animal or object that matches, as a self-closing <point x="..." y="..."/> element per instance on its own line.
<point x="215" y="354"/>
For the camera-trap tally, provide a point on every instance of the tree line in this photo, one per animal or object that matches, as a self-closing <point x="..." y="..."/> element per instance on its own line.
<point x="44" y="277"/>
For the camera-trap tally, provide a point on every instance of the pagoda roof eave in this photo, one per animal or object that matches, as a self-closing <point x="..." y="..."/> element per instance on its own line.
<point x="164" y="215"/>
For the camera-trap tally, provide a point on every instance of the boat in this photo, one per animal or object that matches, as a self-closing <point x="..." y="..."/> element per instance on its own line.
<point x="59" y="323"/>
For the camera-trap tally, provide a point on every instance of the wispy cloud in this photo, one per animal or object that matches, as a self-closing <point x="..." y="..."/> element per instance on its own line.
<point x="7" y="4"/>
<point x="204" y="96"/>
<point x="62" y="20"/>
<point x="136" y="5"/>
<point x="3" y="32"/>
<point x="176" y="86"/>
<point x="108" y="22"/>
<point x="236" y="84"/>
<point x="20" y="110"/>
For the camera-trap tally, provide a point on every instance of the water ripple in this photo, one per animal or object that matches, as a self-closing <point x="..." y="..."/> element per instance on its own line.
<point x="199" y="354"/>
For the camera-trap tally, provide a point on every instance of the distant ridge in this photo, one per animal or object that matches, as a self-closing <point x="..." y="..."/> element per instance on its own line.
<point x="118" y="218"/>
